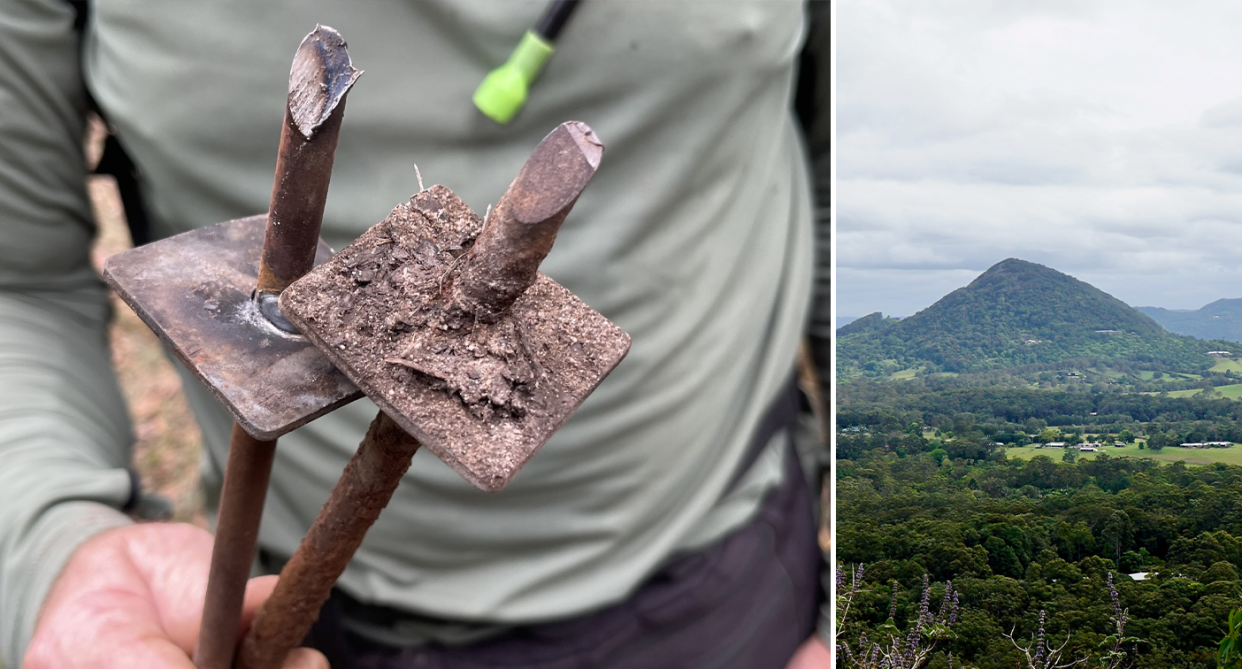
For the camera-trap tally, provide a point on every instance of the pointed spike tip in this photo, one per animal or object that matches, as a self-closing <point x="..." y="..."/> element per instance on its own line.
<point x="321" y="75"/>
<point x="587" y="140"/>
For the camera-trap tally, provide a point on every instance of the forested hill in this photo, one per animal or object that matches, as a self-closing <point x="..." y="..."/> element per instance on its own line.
<point x="1221" y="319"/>
<point x="869" y="323"/>
<point x="1017" y="313"/>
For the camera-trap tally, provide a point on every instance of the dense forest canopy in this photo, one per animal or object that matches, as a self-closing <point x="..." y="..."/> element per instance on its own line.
<point x="1016" y="538"/>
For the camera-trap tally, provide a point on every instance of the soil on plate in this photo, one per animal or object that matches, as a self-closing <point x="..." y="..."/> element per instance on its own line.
<point x="482" y="395"/>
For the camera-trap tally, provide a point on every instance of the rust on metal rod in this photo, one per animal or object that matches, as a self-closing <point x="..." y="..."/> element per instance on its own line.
<point x="519" y="233"/>
<point x="365" y="487"/>
<point x="241" y="508"/>
<point x="319" y="80"/>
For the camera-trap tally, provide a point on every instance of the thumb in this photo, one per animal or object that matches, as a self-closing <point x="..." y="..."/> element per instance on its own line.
<point x="305" y="658"/>
<point x="257" y="592"/>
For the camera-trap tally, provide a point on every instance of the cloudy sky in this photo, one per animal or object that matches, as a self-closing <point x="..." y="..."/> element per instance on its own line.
<point x="1103" y="139"/>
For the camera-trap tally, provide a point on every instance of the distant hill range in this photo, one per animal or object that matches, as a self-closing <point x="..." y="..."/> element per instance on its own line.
<point x="1221" y="319"/>
<point x="1017" y="313"/>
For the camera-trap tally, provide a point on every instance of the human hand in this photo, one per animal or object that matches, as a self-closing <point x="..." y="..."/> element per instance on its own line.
<point x="133" y="597"/>
<point x="812" y="654"/>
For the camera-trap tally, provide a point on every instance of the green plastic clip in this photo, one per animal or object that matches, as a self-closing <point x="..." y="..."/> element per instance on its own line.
<point x="503" y="91"/>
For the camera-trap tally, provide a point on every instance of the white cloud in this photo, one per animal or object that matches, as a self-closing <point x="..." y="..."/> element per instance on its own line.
<point x="1103" y="139"/>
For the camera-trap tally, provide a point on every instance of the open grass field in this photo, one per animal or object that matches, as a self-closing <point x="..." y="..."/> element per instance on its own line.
<point x="1232" y="392"/>
<point x="1148" y="375"/>
<point x="1227" y="365"/>
<point x="1191" y="456"/>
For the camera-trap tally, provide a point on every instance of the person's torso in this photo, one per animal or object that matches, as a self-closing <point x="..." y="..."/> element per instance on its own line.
<point x="694" y="237"/>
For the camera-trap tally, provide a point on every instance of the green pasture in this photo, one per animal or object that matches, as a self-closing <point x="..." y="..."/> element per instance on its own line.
<point x="1149" y="375"/>
<point x="1191" y="456"/>
<point x="1227" y="365"/>
<point x="1232" y="391"/>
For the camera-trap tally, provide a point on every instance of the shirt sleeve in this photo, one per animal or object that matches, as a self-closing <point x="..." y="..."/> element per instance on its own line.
<point x="65" y="438"/>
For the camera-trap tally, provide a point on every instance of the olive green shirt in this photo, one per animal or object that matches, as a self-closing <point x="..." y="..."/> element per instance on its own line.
<point x="694" y="237"/>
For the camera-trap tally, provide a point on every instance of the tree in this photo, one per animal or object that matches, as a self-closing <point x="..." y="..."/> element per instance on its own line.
<point x="1074" y="541"/>
<point x="1220" y="571"/>
<point x="1048" y="435"/>
<point x="1070" y="456"/>
<point x="1002" y="558"/>
<point x="1118" y="533"/>
<point x="1159" y="440"/>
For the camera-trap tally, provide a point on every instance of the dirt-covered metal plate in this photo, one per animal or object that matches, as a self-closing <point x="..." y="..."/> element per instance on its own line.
<point x="483" y="396"/>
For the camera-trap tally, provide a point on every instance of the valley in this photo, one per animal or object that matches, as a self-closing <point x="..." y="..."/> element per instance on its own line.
<point x="940" y="473"/>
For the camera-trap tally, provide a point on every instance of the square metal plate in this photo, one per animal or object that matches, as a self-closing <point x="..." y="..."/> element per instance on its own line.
<point x="193" y="290"/>
<point x="368" y="309"/>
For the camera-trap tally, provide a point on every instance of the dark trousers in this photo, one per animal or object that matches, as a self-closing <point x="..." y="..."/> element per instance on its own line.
<point x="745" y="602"/>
